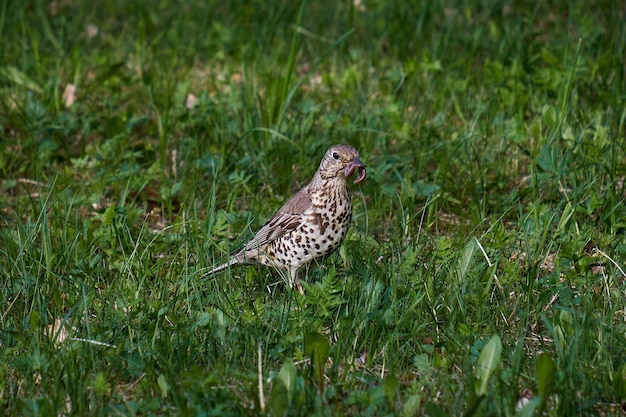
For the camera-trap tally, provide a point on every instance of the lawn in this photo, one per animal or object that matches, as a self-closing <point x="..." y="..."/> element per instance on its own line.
<point x="142" y="142"/>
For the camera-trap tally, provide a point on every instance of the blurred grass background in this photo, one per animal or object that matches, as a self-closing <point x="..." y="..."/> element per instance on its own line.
<point x="141" y="142"/>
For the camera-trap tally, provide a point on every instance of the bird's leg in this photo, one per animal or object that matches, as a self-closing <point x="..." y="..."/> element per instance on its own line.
<point x="294" y="280"/>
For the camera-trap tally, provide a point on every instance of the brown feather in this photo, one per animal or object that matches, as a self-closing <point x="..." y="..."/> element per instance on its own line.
<point x="288" y="218"/>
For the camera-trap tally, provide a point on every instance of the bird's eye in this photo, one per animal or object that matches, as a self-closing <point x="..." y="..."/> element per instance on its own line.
<point x="335" y="155"/>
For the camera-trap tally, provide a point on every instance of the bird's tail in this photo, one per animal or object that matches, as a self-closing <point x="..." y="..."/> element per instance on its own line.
<point x="232" y="261"/>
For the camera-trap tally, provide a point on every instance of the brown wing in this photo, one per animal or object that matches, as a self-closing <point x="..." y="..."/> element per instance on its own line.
<point x="288" y="218"/>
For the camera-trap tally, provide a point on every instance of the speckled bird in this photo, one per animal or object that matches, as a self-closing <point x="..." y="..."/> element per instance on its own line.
<point x="312" y="224"/>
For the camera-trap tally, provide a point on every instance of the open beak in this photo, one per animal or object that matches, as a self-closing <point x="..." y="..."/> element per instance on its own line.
<point x="354" y="165"/>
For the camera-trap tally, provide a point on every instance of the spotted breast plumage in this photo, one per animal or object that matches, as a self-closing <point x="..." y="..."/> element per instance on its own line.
<point x="312" y="224"/>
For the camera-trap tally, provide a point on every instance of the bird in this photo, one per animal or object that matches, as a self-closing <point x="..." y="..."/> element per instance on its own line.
<point x="309" y="226"/>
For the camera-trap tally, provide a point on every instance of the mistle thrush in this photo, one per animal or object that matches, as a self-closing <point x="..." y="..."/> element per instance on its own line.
<point x="312" y="224"/>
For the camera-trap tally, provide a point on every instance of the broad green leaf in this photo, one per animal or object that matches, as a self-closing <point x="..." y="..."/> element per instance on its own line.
<point x="163" y="384"/>
<point x="16" y="76"/>
<point x="434" y="410"/>
<point x="466" y="259"/>
<point x="279" y="400"/>
<point x="283" y="390"/>
<point x="546" y="373"/>
<point x="316" y="347"/>
<point x="487" y="363"/>
<point x="567" y="321"/>
<point x="411" y="406"/>
<point x="391" y="388"/>
<point x="287" y="376"/>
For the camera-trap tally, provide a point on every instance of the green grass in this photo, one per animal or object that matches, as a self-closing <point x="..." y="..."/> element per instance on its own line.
<point x="487" y="256"/>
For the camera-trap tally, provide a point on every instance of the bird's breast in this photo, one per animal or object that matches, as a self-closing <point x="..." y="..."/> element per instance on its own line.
<point x="331" y="215"/>
<point x="322" y="230"/>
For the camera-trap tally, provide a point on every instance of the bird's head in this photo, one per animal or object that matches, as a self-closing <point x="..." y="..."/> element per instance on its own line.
<point x="342" y="160"/>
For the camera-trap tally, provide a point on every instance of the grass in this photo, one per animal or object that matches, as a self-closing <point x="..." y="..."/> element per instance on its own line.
<point x="485" y="270"/>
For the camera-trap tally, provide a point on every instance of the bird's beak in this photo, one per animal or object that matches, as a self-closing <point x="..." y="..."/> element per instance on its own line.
<point x="352" y="166"/>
